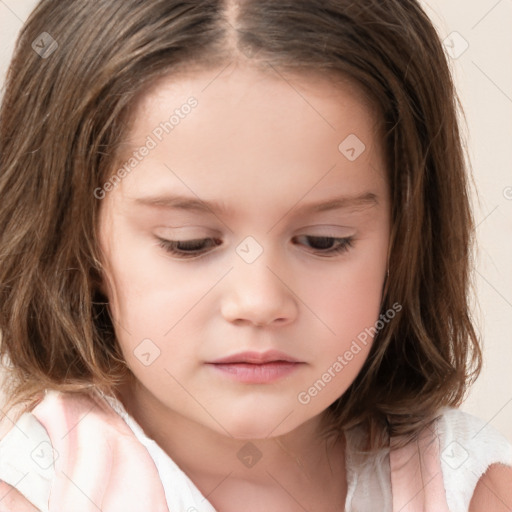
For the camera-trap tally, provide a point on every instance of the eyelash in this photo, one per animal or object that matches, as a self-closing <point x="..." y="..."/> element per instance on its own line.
<point x="170" y="246"/>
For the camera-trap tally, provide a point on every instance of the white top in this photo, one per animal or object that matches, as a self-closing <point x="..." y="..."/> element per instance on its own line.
<point x="468" y="447"/>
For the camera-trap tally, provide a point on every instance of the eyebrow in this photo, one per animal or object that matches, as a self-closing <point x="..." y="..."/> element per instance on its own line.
<point x="179" y="202"/>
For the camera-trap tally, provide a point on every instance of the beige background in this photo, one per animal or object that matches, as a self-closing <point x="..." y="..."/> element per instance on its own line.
<point x="484" y="79"/>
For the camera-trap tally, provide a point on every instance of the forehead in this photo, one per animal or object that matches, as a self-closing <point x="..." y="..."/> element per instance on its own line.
<point x="239" y="94"/>
<point x="261" y="131"/>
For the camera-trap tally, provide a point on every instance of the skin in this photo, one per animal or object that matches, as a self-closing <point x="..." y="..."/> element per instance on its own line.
<point x="264" y="145"/>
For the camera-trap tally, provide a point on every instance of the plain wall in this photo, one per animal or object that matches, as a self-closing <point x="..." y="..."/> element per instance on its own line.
<point x="483" y="77"/>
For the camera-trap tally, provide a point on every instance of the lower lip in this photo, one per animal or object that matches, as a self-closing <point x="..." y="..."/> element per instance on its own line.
<point x="256" y="373"/>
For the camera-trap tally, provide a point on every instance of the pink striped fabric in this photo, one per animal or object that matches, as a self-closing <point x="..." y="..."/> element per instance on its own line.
<point x="416" y="477"/>
<point x="100" y="464"/>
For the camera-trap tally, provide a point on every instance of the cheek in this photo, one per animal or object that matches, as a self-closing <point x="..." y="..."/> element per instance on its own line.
<point x="351" y="297"/>
<point x="349" y="303"/>
<point x="147" y="298"/>
<point x="155" y="309"/>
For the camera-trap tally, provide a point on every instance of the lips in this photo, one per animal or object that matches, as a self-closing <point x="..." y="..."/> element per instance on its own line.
<point x="256" y="367"/>
<point x="271" y="356"/>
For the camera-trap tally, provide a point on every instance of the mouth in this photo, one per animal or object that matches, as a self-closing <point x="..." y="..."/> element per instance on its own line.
<point x="255" y="367"/>
<point x="271" y="356"/>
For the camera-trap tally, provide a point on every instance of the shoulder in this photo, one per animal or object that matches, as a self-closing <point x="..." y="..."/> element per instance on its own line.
<point x="493" y="491"/>
<point x="468" y="441"/>
<point x="33" y="444"/>
<point x="476" y="461"/>
<point x="73" y="434"/>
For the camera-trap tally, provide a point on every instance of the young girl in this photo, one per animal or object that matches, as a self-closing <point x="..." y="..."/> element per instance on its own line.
<point x="235" y="258"/>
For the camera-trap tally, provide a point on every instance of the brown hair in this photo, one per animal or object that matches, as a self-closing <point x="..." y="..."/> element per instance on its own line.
<point x="63" y="119"/>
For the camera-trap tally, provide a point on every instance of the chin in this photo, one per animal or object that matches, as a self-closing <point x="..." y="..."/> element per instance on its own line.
<point x="258" y="426"/>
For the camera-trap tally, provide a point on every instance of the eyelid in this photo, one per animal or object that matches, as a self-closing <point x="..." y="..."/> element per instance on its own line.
<point x="344" y="244"/>
<point x="326" y="230"/>
<point x="169" y="247"/>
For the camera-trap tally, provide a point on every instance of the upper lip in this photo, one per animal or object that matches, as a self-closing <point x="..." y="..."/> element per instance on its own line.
<point x="256" y="358"/>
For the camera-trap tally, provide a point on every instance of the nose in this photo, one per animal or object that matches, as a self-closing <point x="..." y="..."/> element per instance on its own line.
<point x="257" y="295"/>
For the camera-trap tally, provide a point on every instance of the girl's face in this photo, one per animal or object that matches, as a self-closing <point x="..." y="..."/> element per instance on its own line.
<point x="253" y="217"/>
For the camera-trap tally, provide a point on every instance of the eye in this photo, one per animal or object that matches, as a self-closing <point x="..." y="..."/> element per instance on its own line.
<point x="327" y="245"/>
<point x="323" y="245"/>
<point x="188" y="248"/>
